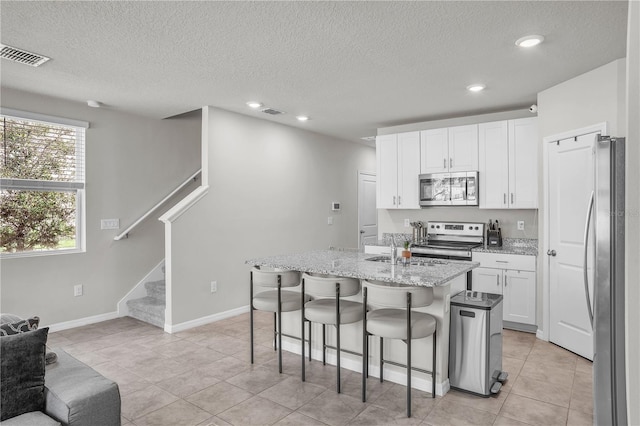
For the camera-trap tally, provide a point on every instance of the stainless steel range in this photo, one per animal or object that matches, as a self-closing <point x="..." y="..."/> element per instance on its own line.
<point x="449" y="240"/>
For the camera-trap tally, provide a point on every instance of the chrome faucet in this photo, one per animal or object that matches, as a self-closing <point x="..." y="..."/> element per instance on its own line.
<point x="394" y="251"/>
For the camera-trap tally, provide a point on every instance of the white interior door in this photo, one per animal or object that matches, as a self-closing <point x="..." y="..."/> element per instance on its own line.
<point x="367" y="212"/>
<point x="571" y="182"/>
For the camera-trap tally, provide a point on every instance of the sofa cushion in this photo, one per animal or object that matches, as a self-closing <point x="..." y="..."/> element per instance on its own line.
<point x="22" y="370"/>
<point x="34" y="418"/>
<point x="19" y="326"/>
<point x="77" y="395"/>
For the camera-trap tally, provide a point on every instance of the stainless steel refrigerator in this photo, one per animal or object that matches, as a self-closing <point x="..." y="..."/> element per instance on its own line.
<point x="608" y="313"/>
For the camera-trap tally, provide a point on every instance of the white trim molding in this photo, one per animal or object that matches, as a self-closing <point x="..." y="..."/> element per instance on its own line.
<point x="65" y="325"/>
<point x="185" y="204"/>
<point x="42" y="117"/>
<point x="205" y="320"/>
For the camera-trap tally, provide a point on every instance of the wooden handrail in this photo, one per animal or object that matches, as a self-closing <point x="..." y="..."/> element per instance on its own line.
<point x="125" y="233"/>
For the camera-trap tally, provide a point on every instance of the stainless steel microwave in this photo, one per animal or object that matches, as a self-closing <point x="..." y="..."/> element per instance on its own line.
<point x="449" y="189"/>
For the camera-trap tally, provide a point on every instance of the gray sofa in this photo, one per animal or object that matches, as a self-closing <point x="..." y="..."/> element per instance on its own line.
<point x="75" y="395"/>
<point x="63" y="392"/>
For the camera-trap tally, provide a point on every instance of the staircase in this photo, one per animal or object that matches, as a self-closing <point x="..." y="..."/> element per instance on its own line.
<point x="150" y="308"/>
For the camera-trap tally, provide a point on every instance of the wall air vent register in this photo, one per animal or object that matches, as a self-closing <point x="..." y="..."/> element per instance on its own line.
<point x="22" y="56"/>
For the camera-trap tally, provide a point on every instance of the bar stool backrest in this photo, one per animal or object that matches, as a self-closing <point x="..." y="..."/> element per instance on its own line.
<point x="391" y="295"/>
<point x="319" y="285"/>
<point x="268" y="277"/>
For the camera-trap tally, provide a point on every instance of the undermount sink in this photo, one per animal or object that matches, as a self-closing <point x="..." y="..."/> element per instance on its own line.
<point x="386" y="259"/>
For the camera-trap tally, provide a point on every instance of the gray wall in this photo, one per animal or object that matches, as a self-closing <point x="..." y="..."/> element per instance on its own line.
<point x="132" y="163"/>
<point x="633" y="219"/>
<point x="271" y="188"/>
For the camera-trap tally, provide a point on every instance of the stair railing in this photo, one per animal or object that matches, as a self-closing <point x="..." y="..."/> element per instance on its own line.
<point x="125" y="233"/>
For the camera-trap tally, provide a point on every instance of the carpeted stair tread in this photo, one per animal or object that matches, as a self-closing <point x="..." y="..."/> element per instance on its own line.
<point x="148" y="309"/>
<point x="156" y="289"/>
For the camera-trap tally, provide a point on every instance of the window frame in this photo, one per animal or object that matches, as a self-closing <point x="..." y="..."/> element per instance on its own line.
<point x="41" y="185"/>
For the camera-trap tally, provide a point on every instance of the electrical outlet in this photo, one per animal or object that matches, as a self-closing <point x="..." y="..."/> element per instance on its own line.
<point x="407" y="223"/>
<point x="110" y="224"/>
<point x="330" y="220"/>
<point x="521" y="225"/>
<point x="77" y="290"/>
<point x="214" y="286"/>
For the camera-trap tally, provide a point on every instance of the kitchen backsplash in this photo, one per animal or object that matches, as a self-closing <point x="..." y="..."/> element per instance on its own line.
<point x="392" y="221"/>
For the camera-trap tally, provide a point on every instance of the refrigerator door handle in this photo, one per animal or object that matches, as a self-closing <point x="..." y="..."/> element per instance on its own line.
<point x="586" y="254"/>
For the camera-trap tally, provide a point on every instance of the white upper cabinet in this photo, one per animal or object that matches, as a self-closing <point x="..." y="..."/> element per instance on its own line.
<point x="434" y="146"/>
<point x="463" y="148"/>
<point x="398" y="159"/>
<point x="508" y="164"/>
<point x="453" y="149"/>
<point x="523" y="163"/>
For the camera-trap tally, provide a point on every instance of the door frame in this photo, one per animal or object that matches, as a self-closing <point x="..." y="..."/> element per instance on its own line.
<point x="361" y="172"/>
<point x="543" y="329"/>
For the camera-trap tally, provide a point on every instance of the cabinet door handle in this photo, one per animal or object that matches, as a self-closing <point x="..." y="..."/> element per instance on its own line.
<point x="504" y="198"/>
<point x="512" y="198"/>
<point x="502" y="261"/>
<point x="394" y="200"/>
<point x="450" y="162"/>
<point x="444" y="163"/>
<point x="498" y="280"/>
<point x="399" y="200"/>
<point x="505" y="280"/>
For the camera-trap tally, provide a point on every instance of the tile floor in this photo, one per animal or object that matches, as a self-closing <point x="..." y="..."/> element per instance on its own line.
<point x="203" y="377"/>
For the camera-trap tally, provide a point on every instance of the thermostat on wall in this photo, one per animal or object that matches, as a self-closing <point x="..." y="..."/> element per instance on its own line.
<point x="335" y="205"/>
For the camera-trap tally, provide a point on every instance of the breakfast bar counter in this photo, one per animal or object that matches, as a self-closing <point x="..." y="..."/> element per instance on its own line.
<point x="422" y="272"/>
<point x="446" y="277"/>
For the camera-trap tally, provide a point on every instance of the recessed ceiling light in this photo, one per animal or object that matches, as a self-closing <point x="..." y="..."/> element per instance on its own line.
<point x="476" y="87"/>
<point x="253" y="104"/>
<point x="94" y="104"/>
<point x="302" y="117"/>
<point x="529" y="41"/>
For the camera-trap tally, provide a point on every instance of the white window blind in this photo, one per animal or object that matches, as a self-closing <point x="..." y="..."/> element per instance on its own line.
<point x="42" y="179"/>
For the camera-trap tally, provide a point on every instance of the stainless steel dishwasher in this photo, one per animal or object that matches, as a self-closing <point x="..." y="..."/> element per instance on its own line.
<point x="475" y="344"/>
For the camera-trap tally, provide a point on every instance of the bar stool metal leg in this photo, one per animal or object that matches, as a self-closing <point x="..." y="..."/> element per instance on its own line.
<point x="365" y="355"/>
<point x="433" y="366"/>
<point x="280" y="324"/>
<point x="338" y="336"/>
<point x="324" y="345"/>
<point x="408" y="354"/>
<point x="275" y="331"/>
<point x="381" y="359"/>
<point x="251" y="311"/>
<point x="302" y="375"/>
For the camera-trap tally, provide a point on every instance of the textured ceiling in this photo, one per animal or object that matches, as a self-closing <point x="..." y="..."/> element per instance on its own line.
<point x="352" y="66"/>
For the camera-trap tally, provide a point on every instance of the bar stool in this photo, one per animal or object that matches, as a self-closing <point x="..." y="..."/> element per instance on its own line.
<point x="328" y="308"/>
<point x="392" y="317"/>
<point x="276" y="301"/>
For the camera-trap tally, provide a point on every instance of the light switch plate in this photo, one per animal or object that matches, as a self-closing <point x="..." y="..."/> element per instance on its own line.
<point x="110" y="224"/>
<point x="330" y="220"/>
<point x="521" y="225"/>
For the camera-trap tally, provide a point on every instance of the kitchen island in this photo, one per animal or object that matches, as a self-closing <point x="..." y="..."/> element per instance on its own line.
<point x="447" y="277"/>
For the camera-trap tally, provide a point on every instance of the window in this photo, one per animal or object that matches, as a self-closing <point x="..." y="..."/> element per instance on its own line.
<point x="41" y="184"/>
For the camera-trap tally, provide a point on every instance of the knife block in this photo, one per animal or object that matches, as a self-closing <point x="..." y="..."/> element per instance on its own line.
<point x="494" y="239"/>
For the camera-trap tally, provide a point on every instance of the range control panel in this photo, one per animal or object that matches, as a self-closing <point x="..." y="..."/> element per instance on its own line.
<point x="458" y="229"/>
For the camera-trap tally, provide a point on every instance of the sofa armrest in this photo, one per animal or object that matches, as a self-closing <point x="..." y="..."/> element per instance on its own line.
<point x="77" y="395"/>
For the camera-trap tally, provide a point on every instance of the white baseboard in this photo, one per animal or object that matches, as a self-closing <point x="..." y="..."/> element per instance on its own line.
<point x="348" y="363"/>
<point x="540" y="335"/>
<point x="205" y="320"/>
<point x="81" y="321"/>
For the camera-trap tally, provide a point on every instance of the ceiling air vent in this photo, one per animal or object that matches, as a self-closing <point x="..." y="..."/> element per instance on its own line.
<point x="271" y="111"/>
<point x="368" y="138"/>
<point x="22" y="56"/>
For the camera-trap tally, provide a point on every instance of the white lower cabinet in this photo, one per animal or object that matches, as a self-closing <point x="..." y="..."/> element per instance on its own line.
<point x="512" y="276"/>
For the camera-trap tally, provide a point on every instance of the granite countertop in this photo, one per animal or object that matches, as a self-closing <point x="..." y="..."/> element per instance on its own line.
<point x="528" y="247"/>
<point x="524" y="246"/>
<point x="435" y="272"/>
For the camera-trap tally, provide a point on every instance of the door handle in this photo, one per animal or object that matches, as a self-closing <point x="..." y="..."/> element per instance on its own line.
<point x="551" y="252"/>
<point x="362" y="231"/>
<point x="399" y="200"/>
<point x="505" y="280"/>
<point x="450" y="162"/>
<point x="498" y="280"/>
<point x="394" y="200"/>
<point x="504" y="198"/>
<point x="512" y="198"/>
<point x="444" y="163"/>
<point x="586" y="254"/>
